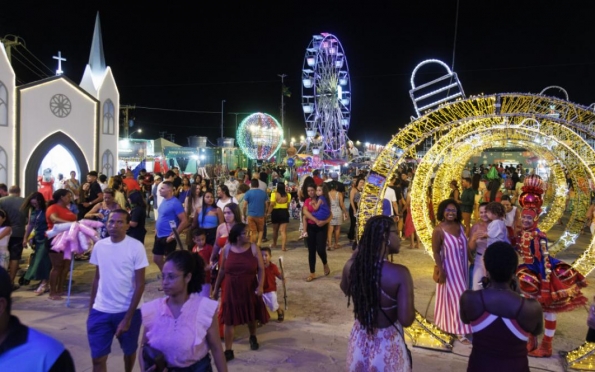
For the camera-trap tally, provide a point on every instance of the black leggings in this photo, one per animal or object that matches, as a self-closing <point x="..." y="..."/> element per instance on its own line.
<point x="316" y="244"/>
<point x="351" y="233"/>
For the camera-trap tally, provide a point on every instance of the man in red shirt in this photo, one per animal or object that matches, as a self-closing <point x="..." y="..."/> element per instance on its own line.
<point x="317" y="180"/>
<point x="131" y="183"/>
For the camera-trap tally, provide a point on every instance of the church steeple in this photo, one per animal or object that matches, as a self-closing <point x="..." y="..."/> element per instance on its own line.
<point x="96" y="57"/>
<point x="96" y="69"/>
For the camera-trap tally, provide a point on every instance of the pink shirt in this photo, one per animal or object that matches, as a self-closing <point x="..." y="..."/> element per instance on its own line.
<point x="310" y="209"/>
<point x="182" y="341"/>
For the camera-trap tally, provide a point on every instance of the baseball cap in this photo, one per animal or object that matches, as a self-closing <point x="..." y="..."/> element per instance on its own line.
<point x="157" y="178"/>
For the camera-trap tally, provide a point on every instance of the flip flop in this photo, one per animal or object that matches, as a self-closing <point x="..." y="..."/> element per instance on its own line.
<point x="311" y="277"/>
<point x="327" y="273"/>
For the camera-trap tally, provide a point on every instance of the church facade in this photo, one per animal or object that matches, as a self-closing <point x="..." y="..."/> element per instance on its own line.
<point x="37" y="117"/>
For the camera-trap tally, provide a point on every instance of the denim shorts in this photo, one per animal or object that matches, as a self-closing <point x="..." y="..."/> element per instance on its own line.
<point x="101" y="328"/>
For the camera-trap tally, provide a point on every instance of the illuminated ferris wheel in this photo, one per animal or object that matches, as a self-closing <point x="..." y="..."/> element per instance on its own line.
<point x="326" y="96"/>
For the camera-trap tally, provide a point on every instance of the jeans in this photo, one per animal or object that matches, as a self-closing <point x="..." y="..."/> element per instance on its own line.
<point x="351" y="233"/>
<point x="316" y="244"/>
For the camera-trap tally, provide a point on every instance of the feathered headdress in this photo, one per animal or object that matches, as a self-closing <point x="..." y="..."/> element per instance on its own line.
<point x="531" y="199"/>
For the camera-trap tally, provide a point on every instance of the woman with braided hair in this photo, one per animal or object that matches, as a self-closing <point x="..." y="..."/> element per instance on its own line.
<point x="382" y="294"/>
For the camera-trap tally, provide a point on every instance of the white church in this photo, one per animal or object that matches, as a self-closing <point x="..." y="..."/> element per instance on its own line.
<point x="44" y="122"/>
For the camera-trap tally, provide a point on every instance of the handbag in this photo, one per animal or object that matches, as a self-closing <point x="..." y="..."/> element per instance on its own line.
<point x="153" y="357"/>
<point x="436" y="274"/>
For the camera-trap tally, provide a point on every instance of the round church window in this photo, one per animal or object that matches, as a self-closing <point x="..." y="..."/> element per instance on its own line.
<point x="60" y="105"/>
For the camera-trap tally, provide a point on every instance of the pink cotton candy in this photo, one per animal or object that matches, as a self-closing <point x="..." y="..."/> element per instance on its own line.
<point x="87" y="230"/>
<point x="70" y="248"/>
<point x="59" y="242"/>
<point x="73" y="232"/>
<point x="58" y="228"/>
<point x="91" y="223"/>
<point x="83" y="241"/>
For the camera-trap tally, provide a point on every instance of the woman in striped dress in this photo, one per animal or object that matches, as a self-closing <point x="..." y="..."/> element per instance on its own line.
<point x="449" y="245"/>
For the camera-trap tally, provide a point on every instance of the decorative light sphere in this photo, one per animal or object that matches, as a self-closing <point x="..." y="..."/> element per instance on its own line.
<point x="259" y="136"/>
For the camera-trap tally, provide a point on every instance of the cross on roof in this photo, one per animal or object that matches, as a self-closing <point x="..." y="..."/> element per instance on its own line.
<point x="60" y="59"/>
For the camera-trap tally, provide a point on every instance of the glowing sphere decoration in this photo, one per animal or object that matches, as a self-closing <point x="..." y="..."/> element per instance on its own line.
<point x="259" y="136"/>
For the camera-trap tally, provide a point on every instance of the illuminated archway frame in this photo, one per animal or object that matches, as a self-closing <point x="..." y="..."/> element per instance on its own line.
<point x="548" y="116"/>
<point x="453" y="165"/>
<point x="497" y="136"/>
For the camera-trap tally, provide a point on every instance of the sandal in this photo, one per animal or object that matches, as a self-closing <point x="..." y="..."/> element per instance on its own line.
<point x="338" y="246"/>
<point x="43" y="288"/>
<point x="284" y="249"/>
<point x="311" y="277"/>
<point x="327" y="273"/>
<point x="464" y="340"/>
<point x="280" y="317"/>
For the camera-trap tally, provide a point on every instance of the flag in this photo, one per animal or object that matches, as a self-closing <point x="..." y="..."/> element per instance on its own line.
<point x="285" y="91"/>
<point x="136" y="170"/>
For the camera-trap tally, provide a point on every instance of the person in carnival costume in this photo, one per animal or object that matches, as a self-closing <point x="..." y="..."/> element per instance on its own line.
<point x="555" y="284"/>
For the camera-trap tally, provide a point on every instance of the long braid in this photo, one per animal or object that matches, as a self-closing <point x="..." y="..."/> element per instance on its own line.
<point x="365" y="272"/>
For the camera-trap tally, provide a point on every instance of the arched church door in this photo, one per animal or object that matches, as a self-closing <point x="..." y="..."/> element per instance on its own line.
<point x="61" y="147"/>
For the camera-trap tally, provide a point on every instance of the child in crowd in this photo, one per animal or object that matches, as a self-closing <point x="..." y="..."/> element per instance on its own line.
<point x="496" y="228"/>
<point x="271" y="272"/>
<point x="5" y="232"/>
<point x="199" y="237"/>
<point x="322" y="209"/>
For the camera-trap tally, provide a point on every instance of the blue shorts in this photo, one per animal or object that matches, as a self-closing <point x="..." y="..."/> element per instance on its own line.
<point x="101" y="328"/>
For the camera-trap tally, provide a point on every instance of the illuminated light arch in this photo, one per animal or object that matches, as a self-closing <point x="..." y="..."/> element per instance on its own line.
<point x="562" y="129"/>
<point x="493" y="135"/>
<point x="570" y="149"/>
<point x="454" y="165"/>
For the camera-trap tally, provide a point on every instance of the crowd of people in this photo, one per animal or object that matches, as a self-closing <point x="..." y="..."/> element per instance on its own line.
<point x="223" y="275"/>
<point x="512" y="294"/>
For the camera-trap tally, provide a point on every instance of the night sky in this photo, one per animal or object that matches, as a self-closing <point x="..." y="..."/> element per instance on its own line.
<point x="191" y="58"/>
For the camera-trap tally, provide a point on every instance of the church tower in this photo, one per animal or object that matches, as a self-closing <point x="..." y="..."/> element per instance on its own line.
<point x="99" y="82"/>
<point x="7" y="115"/>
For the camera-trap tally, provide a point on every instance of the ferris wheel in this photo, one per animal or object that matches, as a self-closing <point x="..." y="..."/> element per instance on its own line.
<point x="326" y="96"/>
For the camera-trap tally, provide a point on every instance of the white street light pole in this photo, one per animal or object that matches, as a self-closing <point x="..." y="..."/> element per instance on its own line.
<point x="222" y="103"/>
<point x="138" y="130"/>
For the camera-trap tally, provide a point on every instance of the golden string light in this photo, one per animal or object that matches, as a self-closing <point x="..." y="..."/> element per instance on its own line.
<point x="555" y="129"/>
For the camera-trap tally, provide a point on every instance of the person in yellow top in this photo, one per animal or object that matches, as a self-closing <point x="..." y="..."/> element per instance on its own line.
<point x="279" y="211"/>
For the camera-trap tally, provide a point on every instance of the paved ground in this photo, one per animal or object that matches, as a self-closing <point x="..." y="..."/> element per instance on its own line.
<point x="313" y="336"/>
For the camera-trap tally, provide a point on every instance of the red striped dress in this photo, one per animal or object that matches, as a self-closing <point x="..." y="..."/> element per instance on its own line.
<point x="454" y="261"/>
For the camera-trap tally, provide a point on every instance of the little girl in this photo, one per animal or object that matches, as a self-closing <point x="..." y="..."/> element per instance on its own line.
<point x="322" y="209"/>
<point x="5" y="232"/>
<point x="496" y="228"/>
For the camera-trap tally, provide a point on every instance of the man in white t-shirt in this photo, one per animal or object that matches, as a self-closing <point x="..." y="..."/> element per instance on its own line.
<point x="232" y="184"/>
<point x="116" y="293"/>
<point x="391" y="196"/>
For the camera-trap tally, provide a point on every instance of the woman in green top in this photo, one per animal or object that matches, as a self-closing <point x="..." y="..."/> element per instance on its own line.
<point x="40" y="267"/>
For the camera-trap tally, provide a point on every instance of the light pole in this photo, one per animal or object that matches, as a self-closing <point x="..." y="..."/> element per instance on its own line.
<point x="222" y="103"/>
<point x="138" y="130"/>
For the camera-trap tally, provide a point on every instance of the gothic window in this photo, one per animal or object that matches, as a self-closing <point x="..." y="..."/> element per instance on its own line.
<point x="108" y="117"/>
<point x="3" y="105"/>
<point x="107" y="163"/>
<point x="3" y="166"/>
